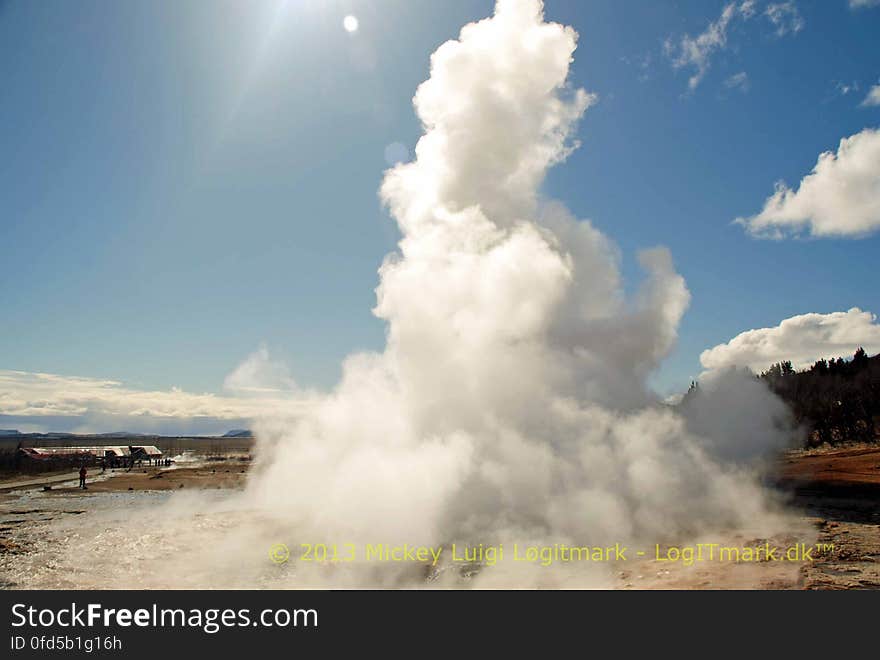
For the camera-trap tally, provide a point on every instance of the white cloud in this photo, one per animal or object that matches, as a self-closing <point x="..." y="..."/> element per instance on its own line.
<point x="840" y="197"/>
<point x="801" y="339"/>
<point x="696" y="52"/>
<point x="738" y="81"/>
<point x="847" y="88"/>
<point x="257" y="388"/>
<point x="873" y="97"/>
<point x="785" y="17"/>
<point x="863" y="4"/>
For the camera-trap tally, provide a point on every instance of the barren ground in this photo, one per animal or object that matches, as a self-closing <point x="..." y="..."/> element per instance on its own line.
<point x="840" y="492"/>
<point x="835" y="495"/>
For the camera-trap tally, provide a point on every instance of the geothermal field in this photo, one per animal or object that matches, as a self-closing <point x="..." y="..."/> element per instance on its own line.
<point x="189" y="526"/>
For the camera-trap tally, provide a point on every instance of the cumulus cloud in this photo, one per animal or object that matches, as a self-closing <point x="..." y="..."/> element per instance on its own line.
<point x="840" y="197"/>
<point x="257" y="388"/>
<point x="873" y="97"/>
<point x="800" y="339"/>
<point x="696" y="53"/>
<point x="863" y="4"/>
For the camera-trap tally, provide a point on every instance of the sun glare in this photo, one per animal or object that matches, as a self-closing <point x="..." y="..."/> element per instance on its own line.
<point x="350" y="23"/>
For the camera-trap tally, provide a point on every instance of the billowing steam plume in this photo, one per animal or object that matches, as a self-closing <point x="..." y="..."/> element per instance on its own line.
<point x="510" y="401"/>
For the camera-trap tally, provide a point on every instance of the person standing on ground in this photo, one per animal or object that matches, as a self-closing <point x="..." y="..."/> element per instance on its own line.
<point x="82" y="477"/>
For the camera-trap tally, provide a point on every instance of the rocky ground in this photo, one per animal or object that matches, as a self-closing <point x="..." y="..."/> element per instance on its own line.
<point x="839" y="491"/>
<point x="834" y="497"/>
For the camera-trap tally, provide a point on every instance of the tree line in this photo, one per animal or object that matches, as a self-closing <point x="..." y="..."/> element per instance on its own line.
<point x="835" y="400"/>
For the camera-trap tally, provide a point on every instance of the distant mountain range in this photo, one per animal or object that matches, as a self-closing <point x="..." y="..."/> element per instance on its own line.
<point x="238" y="433"/>
<point x="14" y="433"/>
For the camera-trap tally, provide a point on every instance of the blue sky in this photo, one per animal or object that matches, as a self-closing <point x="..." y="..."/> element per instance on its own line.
<point x="187" y="181"/>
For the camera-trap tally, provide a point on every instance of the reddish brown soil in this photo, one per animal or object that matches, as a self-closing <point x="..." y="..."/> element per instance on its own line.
<point x="226" y="474"/>
<point x="855" y="467"/>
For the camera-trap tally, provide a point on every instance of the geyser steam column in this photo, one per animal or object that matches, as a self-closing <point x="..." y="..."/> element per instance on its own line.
<point x="509" y="403"/>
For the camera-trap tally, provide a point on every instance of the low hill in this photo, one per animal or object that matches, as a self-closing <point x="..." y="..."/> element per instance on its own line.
<point x="239" y="433"/>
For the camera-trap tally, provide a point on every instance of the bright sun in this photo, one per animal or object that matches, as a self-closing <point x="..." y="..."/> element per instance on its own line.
<point x="350" y="23"/>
